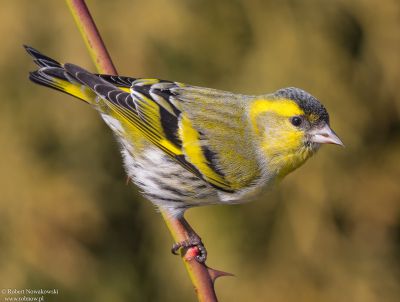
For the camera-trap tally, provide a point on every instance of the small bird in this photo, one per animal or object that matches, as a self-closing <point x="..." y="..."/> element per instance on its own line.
<point x="186" y="146"/>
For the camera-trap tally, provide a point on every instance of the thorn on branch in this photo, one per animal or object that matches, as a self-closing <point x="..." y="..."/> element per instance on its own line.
<point x="215" y="274"/>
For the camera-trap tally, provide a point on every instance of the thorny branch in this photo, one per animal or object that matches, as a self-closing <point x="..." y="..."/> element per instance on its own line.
<point x="202" y="277"/>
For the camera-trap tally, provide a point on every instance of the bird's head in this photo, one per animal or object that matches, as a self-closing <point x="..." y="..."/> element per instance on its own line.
<point x="290" y="125"/>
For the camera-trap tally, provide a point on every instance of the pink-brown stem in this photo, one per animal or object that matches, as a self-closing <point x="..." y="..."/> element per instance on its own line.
<point x="201" y="276"/>
<point x="198" y="272"/>
<point x="91" y="36"/>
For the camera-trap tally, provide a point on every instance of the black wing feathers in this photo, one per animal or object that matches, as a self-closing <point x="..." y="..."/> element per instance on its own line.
<point x="40" y="59"/>
<point x="119" y="81"/>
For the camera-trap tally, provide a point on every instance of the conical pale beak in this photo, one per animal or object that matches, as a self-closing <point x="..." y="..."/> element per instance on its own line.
<point x="325" y="135"/>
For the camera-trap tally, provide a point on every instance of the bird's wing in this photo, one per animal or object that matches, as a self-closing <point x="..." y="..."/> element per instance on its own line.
<point x="123" y="83"/>
<point x="164" y="111"/>
<point x="220" y="121"/>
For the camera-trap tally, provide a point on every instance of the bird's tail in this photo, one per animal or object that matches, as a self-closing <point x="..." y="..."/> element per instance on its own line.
<point x="53" y="74"/>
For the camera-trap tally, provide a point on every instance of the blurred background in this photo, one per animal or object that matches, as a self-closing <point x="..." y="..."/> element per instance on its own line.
<point x="329" y="232"/>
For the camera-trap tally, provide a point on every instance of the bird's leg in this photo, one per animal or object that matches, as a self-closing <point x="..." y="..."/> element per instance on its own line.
<point x="192" y="245"/>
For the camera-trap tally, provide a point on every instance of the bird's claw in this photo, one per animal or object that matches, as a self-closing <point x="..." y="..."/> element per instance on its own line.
<point x="192" y="242"/>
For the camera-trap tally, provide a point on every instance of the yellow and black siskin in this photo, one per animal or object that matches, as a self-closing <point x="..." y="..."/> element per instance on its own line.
<point x="187" y="146"/>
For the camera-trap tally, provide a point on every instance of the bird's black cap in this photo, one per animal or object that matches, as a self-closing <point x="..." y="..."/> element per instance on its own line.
<point x="308" y="103"/>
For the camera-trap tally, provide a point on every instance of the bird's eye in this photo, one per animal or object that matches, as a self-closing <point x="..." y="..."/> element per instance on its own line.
<point x="296" y="121"/>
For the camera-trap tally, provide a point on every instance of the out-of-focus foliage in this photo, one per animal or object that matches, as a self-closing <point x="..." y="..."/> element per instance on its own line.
<point x="329" y="232"/>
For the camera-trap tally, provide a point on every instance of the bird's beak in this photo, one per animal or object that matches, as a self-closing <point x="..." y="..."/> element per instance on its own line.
<point x="325" y="135"/>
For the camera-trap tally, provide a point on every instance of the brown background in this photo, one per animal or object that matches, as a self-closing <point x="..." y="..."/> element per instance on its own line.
<point x="329" y="232"/>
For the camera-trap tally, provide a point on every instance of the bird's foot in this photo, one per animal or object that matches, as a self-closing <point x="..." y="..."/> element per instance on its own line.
<point x="194" y="242"/>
